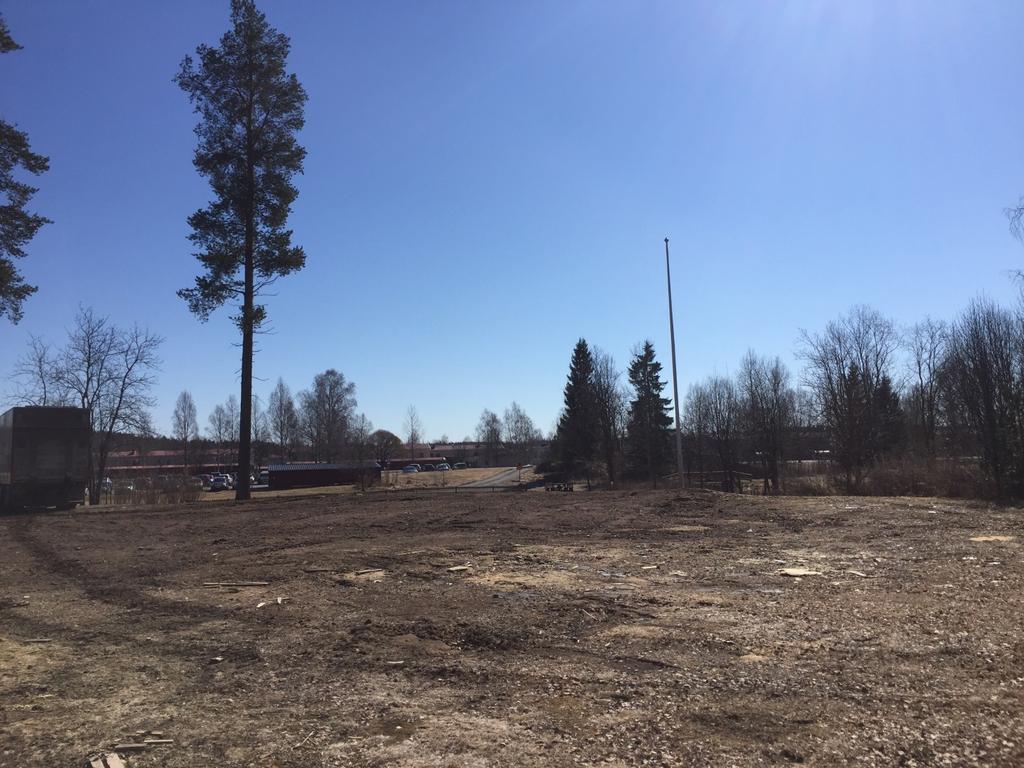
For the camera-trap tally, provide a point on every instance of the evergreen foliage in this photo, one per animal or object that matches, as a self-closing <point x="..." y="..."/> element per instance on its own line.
<point x="17" y="225"/>
<point x="648" y="444"/>
<point x="250" y="109"/>
<point x="579" y="428"/>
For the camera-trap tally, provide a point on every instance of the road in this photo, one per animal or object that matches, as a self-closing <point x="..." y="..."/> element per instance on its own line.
<point x="506" y="477"/>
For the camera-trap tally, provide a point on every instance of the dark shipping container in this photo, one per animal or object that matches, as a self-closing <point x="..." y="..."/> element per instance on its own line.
<point x="44" y="457"/>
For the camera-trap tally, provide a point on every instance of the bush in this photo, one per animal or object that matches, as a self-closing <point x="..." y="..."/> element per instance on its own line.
<point x="809" y="485"/>
<point x="920" y="477"/>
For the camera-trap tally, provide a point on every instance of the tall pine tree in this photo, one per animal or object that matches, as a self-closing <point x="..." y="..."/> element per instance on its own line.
<point x="250" y="109"/>
<point x="17" y="225"/>
<point x="648" y="439"/>
<point x="579" y="428"/>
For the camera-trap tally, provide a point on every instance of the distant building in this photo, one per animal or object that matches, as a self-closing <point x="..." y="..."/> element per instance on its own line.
<point x="501" y="455"/>
<point x="169" y="462"/>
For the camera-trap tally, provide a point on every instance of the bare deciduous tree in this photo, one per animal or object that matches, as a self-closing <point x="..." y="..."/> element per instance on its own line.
<point x="327" y="411"/>
<point x="185" y="424"/>
<point x="385" y="446"/>
<point x="36" y="376"/>
<point x="926" y="345"/>
<point x="611" y="402"/>
<point x="261" y="436"/>
<point x="107" y="370"/>
<point x="221" y="428"/>
<point x="361" y="443"/>
<point x="723" y="417"/>
<point x="984" y="373"/>
<point x="488" y="432"/>
<point x="283" y="418"/>
<point x="849" y="370"/>
<point x="413" y="429"/>
<point x="1016" y="216"/>
<point x="696" y="421"/>
<point x="110" y="372"/>
<point x="769" y="403"/>
<point x="233" y="412"/>
<point x="520" y="432"/>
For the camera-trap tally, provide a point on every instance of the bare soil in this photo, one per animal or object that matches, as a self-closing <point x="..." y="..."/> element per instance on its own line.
<point x="619" y="629"/>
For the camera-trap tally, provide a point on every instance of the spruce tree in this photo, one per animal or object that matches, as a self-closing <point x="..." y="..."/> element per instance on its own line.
<point x="648" y="447"/>
<point x="17" y="225"/>
<point x="250" y="109"/>
<point x="579" y="426"/>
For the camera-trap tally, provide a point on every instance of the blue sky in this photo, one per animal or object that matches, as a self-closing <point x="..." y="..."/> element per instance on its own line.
<point x="488" y="181"/>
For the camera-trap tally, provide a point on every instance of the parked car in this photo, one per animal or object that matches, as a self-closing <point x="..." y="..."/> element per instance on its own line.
<point x="443" y="467"/>
<point x="427" y="468"/>
<point x="219" y="483"/>
<point x="410" y="468"/>
<point x="264" y="477"/>
<point x="205" y="480"/>
<point x="459" y="465"/>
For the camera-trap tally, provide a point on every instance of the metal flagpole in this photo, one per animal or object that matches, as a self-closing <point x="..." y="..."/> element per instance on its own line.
<point x="675" y="377"/>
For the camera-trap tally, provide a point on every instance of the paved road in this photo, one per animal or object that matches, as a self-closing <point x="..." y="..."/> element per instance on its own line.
<point x="508" y="477"/>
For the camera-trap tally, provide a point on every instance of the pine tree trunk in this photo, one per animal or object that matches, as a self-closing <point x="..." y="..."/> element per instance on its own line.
<point x="245" y="427"/>
<point x="248" y="312"/>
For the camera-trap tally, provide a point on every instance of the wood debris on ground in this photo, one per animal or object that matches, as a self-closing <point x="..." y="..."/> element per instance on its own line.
<point x="992" y="538"/>
<point x="236" y="583"/>
<point x="106" y="760"/>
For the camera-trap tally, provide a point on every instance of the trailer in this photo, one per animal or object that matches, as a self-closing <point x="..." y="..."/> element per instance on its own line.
<point x="314" y="475"/>
<point x="44" y="457"/>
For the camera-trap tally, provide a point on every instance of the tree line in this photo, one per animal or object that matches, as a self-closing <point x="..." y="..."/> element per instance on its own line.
<point x="937" y="407"/>
<point x="511" y="437"/>
<point x="320" y="424"/>
<point x="624" y="431"/>
<point x="949" y="392"/>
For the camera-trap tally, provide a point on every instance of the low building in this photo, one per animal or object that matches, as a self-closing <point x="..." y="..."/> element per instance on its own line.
<point x="315" y="475"/>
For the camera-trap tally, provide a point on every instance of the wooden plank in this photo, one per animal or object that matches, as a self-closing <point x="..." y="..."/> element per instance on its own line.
<point x="236" y="584"/>
<point x="114" y="760"/>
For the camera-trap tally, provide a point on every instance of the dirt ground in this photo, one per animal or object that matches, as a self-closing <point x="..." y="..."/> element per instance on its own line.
<point x="617" y="629"/>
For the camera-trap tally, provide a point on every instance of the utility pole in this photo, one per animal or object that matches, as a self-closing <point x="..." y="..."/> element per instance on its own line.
<point x="675" y="376"/>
